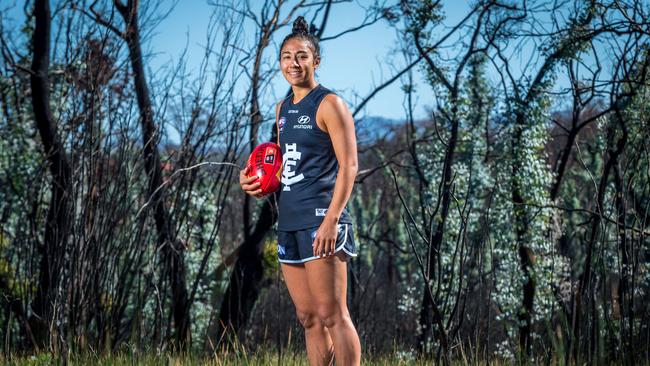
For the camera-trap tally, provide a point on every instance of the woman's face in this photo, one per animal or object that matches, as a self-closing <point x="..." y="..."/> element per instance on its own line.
<point x="298" y="63"/>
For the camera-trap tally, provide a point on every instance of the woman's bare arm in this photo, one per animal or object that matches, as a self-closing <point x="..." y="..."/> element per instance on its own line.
<point x="334" y="117"/>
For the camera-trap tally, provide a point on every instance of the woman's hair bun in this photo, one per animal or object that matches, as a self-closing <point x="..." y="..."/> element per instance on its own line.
<point x="301" y="30"/>
<point x="300" y="26"/>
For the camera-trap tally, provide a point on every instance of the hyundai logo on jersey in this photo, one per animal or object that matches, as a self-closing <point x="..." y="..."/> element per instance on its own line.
<point x="303" y="119"/>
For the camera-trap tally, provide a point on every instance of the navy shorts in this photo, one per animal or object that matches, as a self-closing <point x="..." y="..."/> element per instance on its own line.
<point x="296" y="246"/>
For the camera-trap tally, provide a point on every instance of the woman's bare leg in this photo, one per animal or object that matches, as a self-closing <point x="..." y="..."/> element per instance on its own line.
<point x="317" y="337"/>
<point x="327" y="279"/>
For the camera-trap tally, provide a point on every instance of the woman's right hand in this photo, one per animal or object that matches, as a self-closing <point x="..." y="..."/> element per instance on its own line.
<point x="248" y="184"/>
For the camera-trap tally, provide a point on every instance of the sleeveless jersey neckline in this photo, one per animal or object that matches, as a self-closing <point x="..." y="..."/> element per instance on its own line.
<point x="303" y="98"/>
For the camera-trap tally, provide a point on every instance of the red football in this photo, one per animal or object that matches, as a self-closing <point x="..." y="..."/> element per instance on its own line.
<point x="265" y="162"/>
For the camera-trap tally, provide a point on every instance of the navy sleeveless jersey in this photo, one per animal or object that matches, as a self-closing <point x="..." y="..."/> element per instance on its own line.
<point x="309" y="165"/>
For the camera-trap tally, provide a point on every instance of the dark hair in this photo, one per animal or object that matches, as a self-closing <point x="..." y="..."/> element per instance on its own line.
<point x="301" y="30"/>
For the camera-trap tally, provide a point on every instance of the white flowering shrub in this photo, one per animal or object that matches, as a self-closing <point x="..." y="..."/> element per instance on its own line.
<point x="202" y="245"/>
<point x="525" y="158"/>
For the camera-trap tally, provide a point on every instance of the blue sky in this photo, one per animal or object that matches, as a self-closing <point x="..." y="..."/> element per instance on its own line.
<point x="351" y="64"/>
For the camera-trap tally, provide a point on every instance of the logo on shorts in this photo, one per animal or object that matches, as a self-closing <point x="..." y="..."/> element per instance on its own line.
<point x="321" y="211"/>
<point x="281" y="250"/>
<point x="281" y="123"/>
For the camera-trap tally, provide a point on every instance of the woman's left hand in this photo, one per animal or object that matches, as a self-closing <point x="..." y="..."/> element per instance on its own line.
<point x="325" y="240"/>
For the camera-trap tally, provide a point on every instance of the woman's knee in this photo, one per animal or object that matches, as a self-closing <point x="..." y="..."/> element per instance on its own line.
<point x="307" y="318"/>
<point x="330" y="316"/>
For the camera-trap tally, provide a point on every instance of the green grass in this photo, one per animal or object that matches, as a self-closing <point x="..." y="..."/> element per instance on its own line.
<point x="231" y="359"/>
<point x="258" y="359"/>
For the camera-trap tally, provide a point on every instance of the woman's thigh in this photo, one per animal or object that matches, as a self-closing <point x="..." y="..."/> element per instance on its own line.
<point x="295" y="276"/>
<point x="327" y="282"/>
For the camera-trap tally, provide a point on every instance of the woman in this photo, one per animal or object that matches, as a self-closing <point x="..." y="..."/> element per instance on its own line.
<point x="317" y="138"/>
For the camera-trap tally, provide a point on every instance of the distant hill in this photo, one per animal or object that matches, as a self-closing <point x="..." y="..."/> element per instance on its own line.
<point x="372" y="128"/>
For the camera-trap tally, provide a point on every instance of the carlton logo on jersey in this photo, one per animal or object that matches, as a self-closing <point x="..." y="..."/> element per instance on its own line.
<point x="303" y="123"/>
<point x="281" y="123"/>
<point x="289" y="159"/>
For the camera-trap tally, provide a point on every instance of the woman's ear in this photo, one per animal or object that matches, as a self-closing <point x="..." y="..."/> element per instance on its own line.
<point x="316" y="62"/>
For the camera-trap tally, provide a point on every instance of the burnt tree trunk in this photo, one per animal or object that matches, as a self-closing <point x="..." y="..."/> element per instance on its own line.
<point x="616" y="142"/>
<point x="57" y="224"/>
<point x="245" y="281"/>
<point x="526" y="256"/>
<point x="427" y="312"/>
<point x="246" y="278"/>
<point x="625" y="289"/>
<point x="172" y="249"/>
